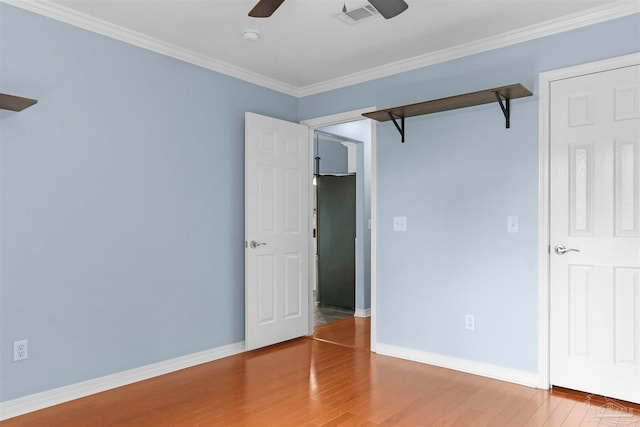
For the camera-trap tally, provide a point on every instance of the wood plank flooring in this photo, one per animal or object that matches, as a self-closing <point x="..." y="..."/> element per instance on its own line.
<point x="353" y="332"/>
<point x="329" y="379"/>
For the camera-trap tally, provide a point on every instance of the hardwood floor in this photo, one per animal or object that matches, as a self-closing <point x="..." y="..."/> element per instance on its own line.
<point x="353" y="332"/>
<point x="315" y="382"/>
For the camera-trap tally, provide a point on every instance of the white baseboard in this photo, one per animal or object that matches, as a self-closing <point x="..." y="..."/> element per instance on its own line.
<point x="477" y="368"/>
<point x="362" y="312"/>
<point x="34" y="402"/>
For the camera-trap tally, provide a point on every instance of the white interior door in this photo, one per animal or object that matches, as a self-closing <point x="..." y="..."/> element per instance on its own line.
<point x="594" y="208"/>
<point x="276" y="231"/>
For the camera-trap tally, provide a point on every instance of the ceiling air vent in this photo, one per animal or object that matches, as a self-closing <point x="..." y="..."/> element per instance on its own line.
<point x="358" y="14"/>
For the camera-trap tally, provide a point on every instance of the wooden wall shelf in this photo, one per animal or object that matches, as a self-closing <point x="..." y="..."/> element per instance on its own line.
<point x="502" y="95"/>
<point x="15" y="103"/>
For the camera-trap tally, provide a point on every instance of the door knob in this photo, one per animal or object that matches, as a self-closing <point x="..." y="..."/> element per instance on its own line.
<point x="562" y="249"/>
<point x="255" y="244"/>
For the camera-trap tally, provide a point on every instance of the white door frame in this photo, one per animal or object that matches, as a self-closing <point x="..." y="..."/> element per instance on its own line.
<point x="545" y="80"/>
<point x="334" y="119"/>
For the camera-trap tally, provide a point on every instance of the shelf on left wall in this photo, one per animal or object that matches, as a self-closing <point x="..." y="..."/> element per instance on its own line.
<point x="15" y="103"/>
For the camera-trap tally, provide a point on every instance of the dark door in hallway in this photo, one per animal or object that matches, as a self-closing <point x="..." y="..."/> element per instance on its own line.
<point x="336" y="240"/>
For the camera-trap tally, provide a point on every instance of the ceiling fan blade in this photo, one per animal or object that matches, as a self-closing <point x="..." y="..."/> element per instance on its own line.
<point x="389" y="8"/>
<point x="265" y="8"/>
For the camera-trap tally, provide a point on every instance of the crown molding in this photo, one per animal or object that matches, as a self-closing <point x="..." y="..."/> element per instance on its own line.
<point x="547" y="28"/>
<point x="84" y="21"/>
<point x="555" y="26"/>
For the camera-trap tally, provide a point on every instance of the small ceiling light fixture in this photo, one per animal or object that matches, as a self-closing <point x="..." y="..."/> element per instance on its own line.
<point x="251" y="35"/>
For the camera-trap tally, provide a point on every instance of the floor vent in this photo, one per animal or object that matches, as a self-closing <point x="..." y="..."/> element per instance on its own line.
<point x="358" y="14"/>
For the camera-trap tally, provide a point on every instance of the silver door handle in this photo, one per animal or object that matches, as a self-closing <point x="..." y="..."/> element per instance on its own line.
<point x="255" y="244"/>
<point x="562" y="249"/>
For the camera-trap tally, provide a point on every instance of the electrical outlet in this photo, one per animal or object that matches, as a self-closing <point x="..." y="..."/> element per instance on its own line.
<point x="513" y="224"/>
<point x="470" y="322"/>
<point x="399" y="223"/>
<point x="20" y="350"/>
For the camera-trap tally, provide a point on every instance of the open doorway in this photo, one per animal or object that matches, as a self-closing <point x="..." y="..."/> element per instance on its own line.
<point x="351" y="124"/>
<point x="335" y="231"/>
<point x="342" y="217"/>
<point x="296" y="294"/>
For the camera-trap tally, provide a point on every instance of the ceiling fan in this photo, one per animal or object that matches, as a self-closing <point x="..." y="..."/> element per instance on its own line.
<point x="387" y="8"/>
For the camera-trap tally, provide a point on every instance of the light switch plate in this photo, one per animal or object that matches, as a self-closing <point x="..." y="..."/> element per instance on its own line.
<point x="399" y="223"/>
<point x="513" y="224"/>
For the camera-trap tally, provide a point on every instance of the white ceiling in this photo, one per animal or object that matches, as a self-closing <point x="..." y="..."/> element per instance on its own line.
<point x="304" y="48"/>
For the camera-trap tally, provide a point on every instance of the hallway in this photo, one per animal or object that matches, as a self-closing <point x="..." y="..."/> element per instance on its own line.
<point x="326" y="314"/>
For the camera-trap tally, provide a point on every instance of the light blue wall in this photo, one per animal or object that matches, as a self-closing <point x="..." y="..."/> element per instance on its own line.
<point x="333" y="156"/>
<point x="457" y="178"/>
<point x="121" y="213"/>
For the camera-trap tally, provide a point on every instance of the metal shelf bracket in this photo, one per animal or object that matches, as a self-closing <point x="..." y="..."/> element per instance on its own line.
<point x="504" y="106"/>
<point x="400" y="127"/>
